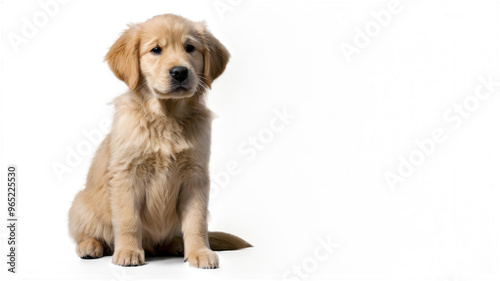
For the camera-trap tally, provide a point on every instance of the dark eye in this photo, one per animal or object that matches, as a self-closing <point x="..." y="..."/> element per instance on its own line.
<point x="156" y="50"/>
<point x="189" y="48"/>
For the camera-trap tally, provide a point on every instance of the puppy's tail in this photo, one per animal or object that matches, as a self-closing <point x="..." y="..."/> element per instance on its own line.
<point x="221" y="241"/>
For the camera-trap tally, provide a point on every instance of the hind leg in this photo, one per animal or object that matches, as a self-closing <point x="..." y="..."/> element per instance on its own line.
<point x="90" y="248"/>
<point x="91" y="230"/>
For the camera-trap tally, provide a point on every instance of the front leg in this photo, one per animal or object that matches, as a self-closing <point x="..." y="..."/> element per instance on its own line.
<point x="126" y="199"/>
<point x="193" y="209"/>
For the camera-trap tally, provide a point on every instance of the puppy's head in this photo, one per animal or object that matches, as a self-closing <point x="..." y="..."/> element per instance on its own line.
<point x="168" y="56"/>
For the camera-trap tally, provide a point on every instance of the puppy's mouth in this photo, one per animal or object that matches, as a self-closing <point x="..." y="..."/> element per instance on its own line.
<point x="179" y="87"/>
<point x="175" y="90"/>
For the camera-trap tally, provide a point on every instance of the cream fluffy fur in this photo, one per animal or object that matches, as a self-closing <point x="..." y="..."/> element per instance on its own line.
<point x="148" y="185"/>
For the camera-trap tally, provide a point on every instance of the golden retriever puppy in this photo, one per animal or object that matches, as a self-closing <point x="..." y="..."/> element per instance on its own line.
<point x="148" y="185"/>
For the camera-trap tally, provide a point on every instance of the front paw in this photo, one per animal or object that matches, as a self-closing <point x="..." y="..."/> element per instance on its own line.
<point x="128" y="257"/>
<point x="203" y="258"/>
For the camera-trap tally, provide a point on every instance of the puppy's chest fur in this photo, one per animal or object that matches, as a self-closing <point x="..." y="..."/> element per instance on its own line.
<point x="148" y="133"/>
<point x="164" y="146"/>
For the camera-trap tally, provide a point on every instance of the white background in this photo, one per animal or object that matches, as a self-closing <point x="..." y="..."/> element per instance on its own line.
<point x="320" y="177"/>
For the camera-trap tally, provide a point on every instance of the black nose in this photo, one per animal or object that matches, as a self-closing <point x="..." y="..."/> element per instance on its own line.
<point x="179" y="73"/>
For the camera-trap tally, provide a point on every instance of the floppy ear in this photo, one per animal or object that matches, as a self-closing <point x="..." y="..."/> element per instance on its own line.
<point x="123" y="57"/>
<point x="216" y="57"/>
